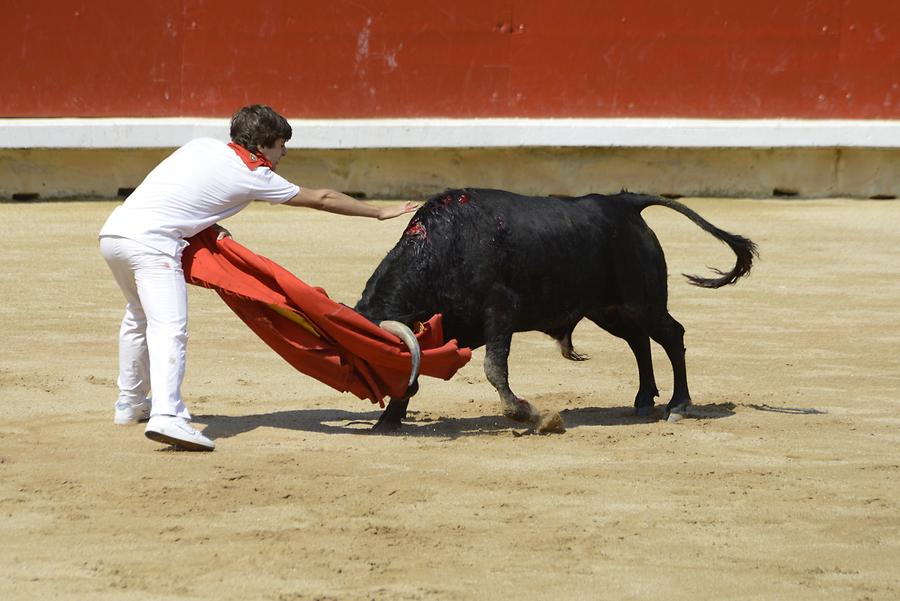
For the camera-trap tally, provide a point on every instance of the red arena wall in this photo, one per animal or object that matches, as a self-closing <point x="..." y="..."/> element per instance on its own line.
<point x="835" y="59"/>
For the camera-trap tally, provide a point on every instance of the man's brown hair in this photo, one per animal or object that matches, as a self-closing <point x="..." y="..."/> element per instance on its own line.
<point x="258" y="125"/>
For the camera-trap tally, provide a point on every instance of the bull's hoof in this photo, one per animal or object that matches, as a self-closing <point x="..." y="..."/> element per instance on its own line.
<point x="392" y="417"/>
<point x="644" y="410"/>
<point x="522" y="411"/>
<point x="676" y="413"/>
<point x="386" y="426"/>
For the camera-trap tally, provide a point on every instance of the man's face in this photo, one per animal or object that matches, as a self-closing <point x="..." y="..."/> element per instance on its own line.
<point x="274" y="152"/>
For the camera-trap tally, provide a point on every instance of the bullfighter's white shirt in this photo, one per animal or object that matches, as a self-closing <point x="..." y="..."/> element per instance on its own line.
<point x="198" y="185"/>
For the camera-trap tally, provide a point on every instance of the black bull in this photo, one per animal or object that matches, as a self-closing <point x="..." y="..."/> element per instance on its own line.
<point x="494" y="263"/>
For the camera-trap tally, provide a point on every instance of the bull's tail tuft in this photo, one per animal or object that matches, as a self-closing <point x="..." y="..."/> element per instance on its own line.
<point x="744" y="248"/>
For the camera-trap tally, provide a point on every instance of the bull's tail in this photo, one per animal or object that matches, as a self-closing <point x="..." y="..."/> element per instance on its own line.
<point x="743" y="248"/>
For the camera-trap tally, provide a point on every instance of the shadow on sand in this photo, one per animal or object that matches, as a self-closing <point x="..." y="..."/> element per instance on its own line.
<point x="337" y="421"/>
<point x="789" y="410"/>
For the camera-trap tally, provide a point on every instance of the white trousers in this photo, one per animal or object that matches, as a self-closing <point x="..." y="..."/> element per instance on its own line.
<point x="153" y="336"/>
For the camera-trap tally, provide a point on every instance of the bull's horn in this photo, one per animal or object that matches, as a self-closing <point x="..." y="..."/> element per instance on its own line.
<point x="409" y="339"/>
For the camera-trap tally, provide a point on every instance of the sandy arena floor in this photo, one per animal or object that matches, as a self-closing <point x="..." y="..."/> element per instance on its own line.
<point x="785" y="483"/>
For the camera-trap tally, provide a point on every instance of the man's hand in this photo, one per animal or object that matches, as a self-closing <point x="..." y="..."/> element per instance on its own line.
<point x="396" y="210"/>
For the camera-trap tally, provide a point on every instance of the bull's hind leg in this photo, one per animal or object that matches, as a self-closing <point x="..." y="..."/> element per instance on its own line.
<point x="614" y="322"/>
<point x="647" y="390"/>
<point x="666" y="331"/>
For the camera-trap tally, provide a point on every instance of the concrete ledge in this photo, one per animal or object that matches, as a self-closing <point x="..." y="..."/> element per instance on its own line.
<point x="412" y="158"/>
<point x="416" y="173"/>
<point x="134" y="133"/>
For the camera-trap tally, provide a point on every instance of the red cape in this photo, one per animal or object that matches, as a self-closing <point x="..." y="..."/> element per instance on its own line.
<point x="319" y="337"/>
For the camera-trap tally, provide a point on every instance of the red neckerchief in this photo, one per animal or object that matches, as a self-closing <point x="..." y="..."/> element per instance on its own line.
<point x="251" y="159"/>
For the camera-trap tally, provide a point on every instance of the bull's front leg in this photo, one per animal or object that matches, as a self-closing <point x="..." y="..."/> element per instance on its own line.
<point x="498" y="338"/>
<point x="497" y="372"/>
<point x="392" y="417"/>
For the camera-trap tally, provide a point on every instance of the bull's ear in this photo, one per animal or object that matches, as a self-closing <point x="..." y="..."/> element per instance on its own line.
<point x="409" y="339"/>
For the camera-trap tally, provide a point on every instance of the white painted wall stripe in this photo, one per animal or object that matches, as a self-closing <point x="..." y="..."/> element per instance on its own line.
<point x="464" y="133"/>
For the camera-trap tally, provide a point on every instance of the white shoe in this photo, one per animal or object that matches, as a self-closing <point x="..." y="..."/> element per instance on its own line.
<point x="177" y="431"/>
<point x="131" y="413"/>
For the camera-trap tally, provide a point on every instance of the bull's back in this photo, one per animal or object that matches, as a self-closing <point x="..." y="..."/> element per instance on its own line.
<point x="556" y="255"/>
